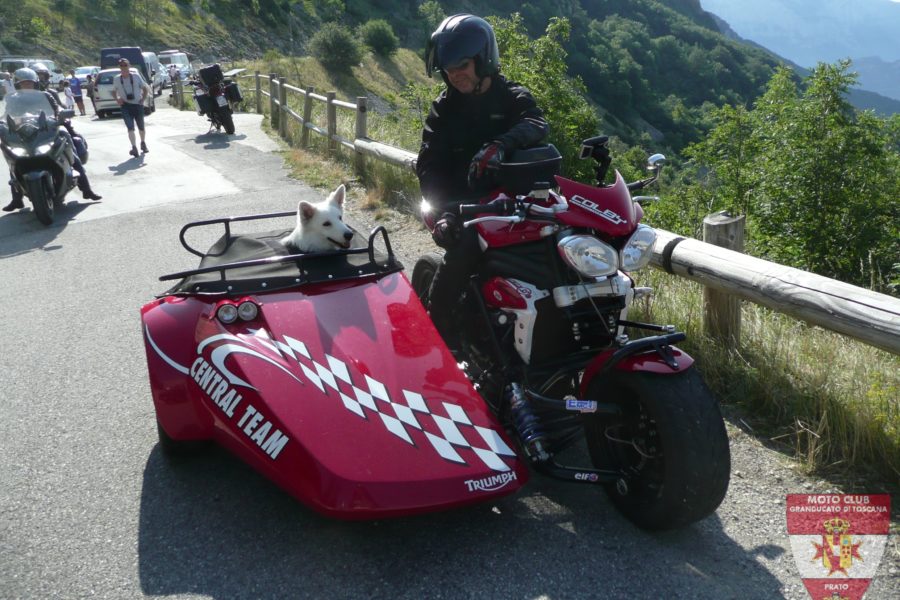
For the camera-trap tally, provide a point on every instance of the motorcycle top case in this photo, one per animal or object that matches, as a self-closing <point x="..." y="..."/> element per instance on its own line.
<point x="211" y="75"/>
<point x="340" y="389"/>
<point x="530" y="169"/>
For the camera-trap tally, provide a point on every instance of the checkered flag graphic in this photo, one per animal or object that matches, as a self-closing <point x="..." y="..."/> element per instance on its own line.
<point x="371" y="399"/>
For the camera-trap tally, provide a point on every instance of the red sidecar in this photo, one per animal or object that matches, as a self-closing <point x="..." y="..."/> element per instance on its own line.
<point x="324" y="373"/>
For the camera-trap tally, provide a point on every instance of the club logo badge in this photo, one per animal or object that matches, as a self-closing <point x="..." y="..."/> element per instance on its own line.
<point x="838" y="541"/>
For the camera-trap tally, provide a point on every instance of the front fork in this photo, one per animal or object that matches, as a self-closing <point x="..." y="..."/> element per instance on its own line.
<point x="651" y="354"/>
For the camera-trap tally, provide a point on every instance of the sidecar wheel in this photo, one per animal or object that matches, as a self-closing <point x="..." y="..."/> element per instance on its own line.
<point x="42" y="199"/>
<point x="177" y="449"/>
<point x="423" y="274"/>
<point x="670" y="442"/>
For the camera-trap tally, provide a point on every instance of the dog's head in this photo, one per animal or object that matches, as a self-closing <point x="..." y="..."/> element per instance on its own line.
<point x="320" y="225"/>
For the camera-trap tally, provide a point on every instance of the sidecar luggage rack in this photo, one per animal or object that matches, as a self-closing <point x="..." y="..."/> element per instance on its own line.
<point x="259" y="262"/>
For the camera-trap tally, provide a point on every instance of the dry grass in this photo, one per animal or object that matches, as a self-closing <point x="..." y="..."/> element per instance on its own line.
<point x="831" y="401"/>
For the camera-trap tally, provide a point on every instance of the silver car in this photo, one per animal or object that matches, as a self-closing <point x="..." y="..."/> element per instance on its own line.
<point x="103" y="94"/>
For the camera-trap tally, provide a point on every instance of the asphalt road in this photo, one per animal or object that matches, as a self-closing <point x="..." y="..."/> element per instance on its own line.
<point x="89" y="508"/>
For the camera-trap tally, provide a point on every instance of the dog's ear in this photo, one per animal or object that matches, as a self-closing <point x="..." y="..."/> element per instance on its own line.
<point x="305" y="210"/>
<point x="337" y="196"/>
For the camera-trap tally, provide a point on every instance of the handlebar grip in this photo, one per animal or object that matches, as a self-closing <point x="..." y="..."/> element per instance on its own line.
<point x="498" y="206"/>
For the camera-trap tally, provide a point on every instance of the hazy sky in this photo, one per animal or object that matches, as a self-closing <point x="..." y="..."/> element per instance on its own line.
<point x="809" y="31"/>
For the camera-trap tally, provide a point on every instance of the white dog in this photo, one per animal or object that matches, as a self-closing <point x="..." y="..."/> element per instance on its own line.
<point x="320" y="226"/>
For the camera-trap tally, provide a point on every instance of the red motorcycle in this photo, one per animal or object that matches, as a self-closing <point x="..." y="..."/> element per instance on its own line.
<point x="542" y="328"/>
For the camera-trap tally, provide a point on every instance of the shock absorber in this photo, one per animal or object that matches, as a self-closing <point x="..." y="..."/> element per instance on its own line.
<point x="527" y="424"/>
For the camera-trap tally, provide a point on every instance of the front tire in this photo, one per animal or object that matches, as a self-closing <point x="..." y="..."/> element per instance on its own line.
<point x="42" y="199"/>
<point x="423" y="275"/>
<point x="669" y="441"/>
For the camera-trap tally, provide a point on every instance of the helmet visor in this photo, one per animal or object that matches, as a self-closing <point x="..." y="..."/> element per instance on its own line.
<point x="452" y="48"/>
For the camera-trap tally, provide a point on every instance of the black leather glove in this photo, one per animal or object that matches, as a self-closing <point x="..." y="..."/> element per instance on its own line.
<point x="446" y="230"/>
<point x="485" y="160"/>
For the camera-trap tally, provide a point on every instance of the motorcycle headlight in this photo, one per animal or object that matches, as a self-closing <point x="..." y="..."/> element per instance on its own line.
<point x="18" y="150"/>
<point x="44" y="148"/>
<point x="639" y="249"/>
<point x="588" y="255"/>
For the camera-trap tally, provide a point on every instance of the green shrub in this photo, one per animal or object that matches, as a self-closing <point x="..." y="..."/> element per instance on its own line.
<point x="335" y="47"/>
<point x="378" y="35"/>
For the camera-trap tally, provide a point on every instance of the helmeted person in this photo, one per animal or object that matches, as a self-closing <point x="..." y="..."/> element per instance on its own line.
<point x="43" y="83"/>
<point x="472" y="125"/>
<point x="27" y="79"/>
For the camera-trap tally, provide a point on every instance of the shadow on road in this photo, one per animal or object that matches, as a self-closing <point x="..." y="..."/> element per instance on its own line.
<point x="214" y="140"/>
<point x="131" y="164"/>
<point x="213" y="526"/>
<point x="40" y="236"/>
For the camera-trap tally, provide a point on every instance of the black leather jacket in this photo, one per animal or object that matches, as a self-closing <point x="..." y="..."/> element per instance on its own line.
<point x="460" y="124"/>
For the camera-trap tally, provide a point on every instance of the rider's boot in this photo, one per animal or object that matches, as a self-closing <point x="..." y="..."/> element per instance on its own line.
<point x="86" y="192"/>
<point x="16" y="200"/>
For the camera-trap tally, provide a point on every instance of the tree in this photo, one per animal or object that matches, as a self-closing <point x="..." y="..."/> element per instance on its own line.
<point x="379" y="36"/>
<point x="335" y="47"/>
<point x="817" y="179"/>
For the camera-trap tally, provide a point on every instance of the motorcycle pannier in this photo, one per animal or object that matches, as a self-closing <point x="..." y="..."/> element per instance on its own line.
<point x="530" y="169"/>
<point x="211" y="75"/>
<point x="205" y="104"/>
<point x="233" y="92"/>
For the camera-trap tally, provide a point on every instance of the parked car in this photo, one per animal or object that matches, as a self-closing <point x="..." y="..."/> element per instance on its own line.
<point x="81" y="73"/>
<point x="103" y="95"/>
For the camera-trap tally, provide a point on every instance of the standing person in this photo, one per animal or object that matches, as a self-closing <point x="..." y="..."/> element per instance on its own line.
<point x="89" y="88"/>
<point x="477" y="119"/>
<point x="6" y="80"/>
<point x="69" y="96"/>
<point x="129" y="91"/>
<point x="75" y="84"/>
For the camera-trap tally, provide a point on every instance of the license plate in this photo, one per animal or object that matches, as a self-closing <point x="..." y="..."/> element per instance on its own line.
<point x="221" y="100"/>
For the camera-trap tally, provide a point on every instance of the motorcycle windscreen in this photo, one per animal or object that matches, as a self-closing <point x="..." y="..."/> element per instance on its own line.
<point x="609" y="209"/>
<point x="350" y="400"/>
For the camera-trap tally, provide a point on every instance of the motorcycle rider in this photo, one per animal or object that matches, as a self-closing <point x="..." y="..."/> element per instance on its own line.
<point x="27" y="79"/>
<point x="472" y="124"/>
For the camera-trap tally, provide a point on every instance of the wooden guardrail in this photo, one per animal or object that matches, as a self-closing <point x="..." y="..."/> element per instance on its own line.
<point x="852" y="311"/>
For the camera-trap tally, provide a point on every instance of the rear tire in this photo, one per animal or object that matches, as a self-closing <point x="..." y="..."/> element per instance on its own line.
<point x="226" y="119"/>
<point x="671" y="440"/>
<point x="42" y="199"/>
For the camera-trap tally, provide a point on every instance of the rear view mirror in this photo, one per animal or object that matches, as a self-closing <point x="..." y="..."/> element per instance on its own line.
<point x="67" y="113"/>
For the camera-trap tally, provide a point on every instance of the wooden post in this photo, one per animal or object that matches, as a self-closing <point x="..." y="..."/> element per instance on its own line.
<point x="273" y="100"/>
<point x="331" y="121"/>
<point x="179" y="90"/>
<point x="360" y="132"/>
<point x="259" y="105"/>
<point x="722" y="311"/>
<point x="282" y="108"/>
<point x="307" y="115"/>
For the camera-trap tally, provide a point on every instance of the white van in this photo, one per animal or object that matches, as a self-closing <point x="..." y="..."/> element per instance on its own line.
<point x="156" y="72"/>
<point x="179" y="59"/>
<point x="11" y="64"/>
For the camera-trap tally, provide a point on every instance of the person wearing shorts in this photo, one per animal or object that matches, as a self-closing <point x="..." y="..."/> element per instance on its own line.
<point x="129" y="91"/>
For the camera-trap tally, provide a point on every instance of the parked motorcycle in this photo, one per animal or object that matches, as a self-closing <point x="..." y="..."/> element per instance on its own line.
<point x="39" y="154"/>
<point x="542" y="328"/>
<point x="214" y="96"/>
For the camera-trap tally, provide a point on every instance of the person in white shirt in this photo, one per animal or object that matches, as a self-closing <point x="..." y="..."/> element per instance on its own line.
<point x="8" y="87"/>
<point x="70" y="97"/>
<point x="129" y="91"/>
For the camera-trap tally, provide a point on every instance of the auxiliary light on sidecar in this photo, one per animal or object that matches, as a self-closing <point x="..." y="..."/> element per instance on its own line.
<point x="227" y="313"/>
<point x="247" y="310"/>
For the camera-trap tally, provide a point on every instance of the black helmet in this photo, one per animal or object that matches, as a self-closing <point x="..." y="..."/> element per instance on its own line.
<point x="460" y="37"/>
